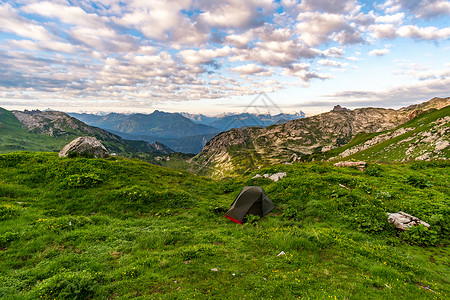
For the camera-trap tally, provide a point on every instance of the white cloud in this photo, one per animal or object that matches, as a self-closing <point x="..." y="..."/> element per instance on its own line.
<point x="331" y="63"/>
<point x="316" y="28"/>
<point x="10" y="21"/>
<point x="251" y="69"/>
<point x="425" y="33"/>
<point x="331" y="6"/>
<point x="420" y="8"/>
<point x="301" y="71"/>
<point x="379" y="52"/>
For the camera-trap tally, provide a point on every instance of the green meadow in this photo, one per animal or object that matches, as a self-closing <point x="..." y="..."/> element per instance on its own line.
<point x="116" y="228"/>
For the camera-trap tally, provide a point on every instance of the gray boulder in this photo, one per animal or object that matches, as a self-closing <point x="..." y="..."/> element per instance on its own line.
<point x="85" y="145"/>
<point x="403" y="221"/>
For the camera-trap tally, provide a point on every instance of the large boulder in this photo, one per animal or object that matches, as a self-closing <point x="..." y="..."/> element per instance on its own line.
<point x="403" y="221"/>
<point x="85" y="145"/>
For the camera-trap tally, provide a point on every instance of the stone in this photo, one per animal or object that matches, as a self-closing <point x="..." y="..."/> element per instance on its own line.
<point x="85" y="144"/>
<point x="256" y="176"/>
<point x="277" y="176"/>
<point x="361" y="165"/>
<point x="403" y="221"/>
<point x="441" y="145"/>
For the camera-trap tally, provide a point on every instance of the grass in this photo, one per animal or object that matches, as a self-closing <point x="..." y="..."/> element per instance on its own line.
<point x="117" y="228"/>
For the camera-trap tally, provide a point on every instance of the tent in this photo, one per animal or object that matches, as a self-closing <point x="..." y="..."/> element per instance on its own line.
<point x="251" y="200"/>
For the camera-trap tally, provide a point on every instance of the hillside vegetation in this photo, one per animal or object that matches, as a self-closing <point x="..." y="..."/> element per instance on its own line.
<point x="118" y="229"/>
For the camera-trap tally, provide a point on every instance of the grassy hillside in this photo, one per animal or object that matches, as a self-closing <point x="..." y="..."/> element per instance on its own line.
<point x="115" y="228"/>
<point x="58" y="129"/>
<point x="14" y="136"/>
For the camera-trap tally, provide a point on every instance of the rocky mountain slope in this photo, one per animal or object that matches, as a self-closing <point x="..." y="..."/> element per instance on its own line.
<point x="425" y="137"/>
<point x="50" y="130"/>
<point x="238" y="150"/>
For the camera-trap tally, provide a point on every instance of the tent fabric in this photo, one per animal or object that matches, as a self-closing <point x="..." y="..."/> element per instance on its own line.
<point x="251" y="200"/>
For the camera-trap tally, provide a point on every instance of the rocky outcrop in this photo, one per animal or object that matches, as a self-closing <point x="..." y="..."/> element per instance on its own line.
<point x="403" y="221"/>
<point x="274" y="177"/>
<point x="339" y="108"/>
<point x="374" y="141"/>
<point x="85" y="145"/>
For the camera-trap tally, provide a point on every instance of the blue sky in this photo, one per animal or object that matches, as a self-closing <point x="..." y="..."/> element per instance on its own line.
<point x="217" y="56"/>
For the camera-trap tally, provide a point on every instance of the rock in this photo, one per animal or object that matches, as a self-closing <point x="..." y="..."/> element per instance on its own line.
<point x="256" y="176"/>
<point x="425" y="156"/>
<point x="215" y="270"/>
<point x="441" y="145"/>
<point x="361" y="165"/>
<point x="403" y="221"/>
<point x="339" y="108"/>
<point x="266" y="175"/>
<point x="85" y="144"/>
<point x="277" y="176"/>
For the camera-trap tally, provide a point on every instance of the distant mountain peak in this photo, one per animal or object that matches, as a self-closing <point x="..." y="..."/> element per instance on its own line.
<point x="339" y="108"/>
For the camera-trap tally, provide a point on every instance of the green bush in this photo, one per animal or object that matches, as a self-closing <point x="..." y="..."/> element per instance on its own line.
<point x="67" y="285"/>
<point x="421" y="235"/>
<point x="418" y="181"/>
<point x="73" y="154"/>
<point x="7" y="211"/>
<point x="291" y="213"/>
<point x="82" y="180"/>
<point x="373" y="170"/>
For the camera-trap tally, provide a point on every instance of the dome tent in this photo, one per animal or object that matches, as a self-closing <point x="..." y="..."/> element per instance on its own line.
<point x="251" y="200"/>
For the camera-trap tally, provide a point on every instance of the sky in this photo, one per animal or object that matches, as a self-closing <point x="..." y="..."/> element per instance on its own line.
<point x="215" y="57"/>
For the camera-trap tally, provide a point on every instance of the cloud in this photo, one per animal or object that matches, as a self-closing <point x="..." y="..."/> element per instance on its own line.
<point x="251" y="69"/>
<point x="379" y="52"/>
<point x="10" y="21"/>
<point x="235" y="13"/>
<point x="302" y="71"/>
<point x="331" y="63"/>
<point x="420" y="8"/>
<point x="403" y="94"/>
<point x="316" y="28"/>
<point x="330" y="6"/>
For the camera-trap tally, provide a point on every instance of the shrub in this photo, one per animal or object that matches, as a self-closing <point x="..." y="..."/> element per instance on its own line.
<point x="7" y="211"/>
<point x="418" y="181"/>
<point x="291" y="213"/>
<point x="420" y="235"/>
<point x="73" y="154"/>
<point x="67" y="285"/>
<point x="82" y="180"/>
<point x="373" y="170"/>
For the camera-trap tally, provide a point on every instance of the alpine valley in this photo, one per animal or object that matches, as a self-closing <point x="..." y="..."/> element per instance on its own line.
<point x="119" y="227"/>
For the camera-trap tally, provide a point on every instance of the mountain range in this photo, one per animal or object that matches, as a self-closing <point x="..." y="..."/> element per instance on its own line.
<point x="182" y="132"/>
<point x="321" y="136"/>
<point x="51" y="130"/>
